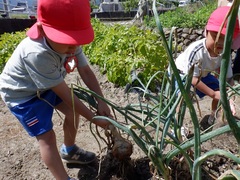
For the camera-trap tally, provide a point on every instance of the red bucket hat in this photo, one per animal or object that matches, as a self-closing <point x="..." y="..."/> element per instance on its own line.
<point x="64" y="21"/>
<point x="216" y="18"/>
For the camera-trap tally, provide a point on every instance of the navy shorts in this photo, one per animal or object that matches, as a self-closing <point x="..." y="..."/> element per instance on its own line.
<point x="211" y="81"/>
<point x="35" y="115"/>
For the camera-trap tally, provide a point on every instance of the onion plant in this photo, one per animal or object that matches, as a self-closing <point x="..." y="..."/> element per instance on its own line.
<point x="153" y="122"/>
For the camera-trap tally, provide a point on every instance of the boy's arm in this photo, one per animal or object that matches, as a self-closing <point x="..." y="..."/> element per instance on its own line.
<point x="90" y="80"/>
<point x="213" y="94"/>
<point x="64" y="92"/>
<point x="205" y="89"/>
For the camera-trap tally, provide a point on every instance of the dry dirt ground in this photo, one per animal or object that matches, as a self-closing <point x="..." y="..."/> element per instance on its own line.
<point x="20" y="159"/>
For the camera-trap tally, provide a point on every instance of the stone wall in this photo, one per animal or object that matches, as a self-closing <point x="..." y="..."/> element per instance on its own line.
<point x="185" y="36"/>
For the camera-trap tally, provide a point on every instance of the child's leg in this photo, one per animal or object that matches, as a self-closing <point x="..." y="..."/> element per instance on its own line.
<point x="71" y="153"/>
<point x="213" y="83"/>
<point x="50" y="155"/>
<point x="211" y="118"/>
<point x="214" y="106"/>
<point x="36" y="117"/>
<point x="70" y="125"/>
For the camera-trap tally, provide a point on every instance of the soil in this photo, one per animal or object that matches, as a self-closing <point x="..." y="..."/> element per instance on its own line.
<point x="20" y="158"/>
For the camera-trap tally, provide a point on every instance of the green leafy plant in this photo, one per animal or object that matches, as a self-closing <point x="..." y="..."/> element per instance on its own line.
<point x="120" y="49"/>
<point x="190" y="17"/>
<point x="8" y="43"/>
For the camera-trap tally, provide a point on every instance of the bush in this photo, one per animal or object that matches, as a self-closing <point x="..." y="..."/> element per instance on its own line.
<point x="191" y="16"/>
<point x="119" y="49"/>
<point x="8" y="43"/>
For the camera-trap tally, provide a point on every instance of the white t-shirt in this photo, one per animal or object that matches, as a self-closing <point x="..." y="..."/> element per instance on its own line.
<point x="197" y="55"/>
<point x="33" y="67"/>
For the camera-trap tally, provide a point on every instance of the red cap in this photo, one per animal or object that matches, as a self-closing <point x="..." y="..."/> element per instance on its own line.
<point x="64" y="21"/>
<point x="217" y="17"/>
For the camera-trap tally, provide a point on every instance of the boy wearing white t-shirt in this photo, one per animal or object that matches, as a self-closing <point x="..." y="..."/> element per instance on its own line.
<point x="206" y="57"/>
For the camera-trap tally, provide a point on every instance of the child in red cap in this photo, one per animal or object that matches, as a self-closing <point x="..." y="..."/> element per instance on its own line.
<point x="32" y="82"/>
<point x="235" y="44"/>
<point x="205" y="57"/>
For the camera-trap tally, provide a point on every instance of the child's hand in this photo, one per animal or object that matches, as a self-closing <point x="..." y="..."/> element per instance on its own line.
<point x="103" y="109"/>
<point x="101" y="122"/>
<point x="232" y="107"/>
<point x="217" y="95"/>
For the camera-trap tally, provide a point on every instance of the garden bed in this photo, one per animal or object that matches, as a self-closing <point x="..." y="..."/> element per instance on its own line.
<point x="20" y="158"/>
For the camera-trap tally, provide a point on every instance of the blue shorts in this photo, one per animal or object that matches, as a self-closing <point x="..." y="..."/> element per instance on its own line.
<point x="211" y="81"/>
<point x="35" y="115"/>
